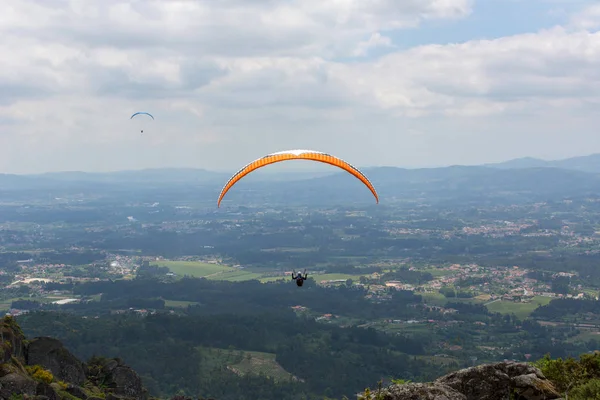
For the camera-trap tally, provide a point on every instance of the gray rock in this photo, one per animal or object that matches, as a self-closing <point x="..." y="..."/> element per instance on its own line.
<point x="127" y="382"/>
<point x="51" y="354"/>
<point x="485" y="382"/>
<point x="531" y="387"/>
<point x="76" y="391"/>
<point x="421" y="391"/>
<point x="45" y="390"/>
<point x="18" y="384"/>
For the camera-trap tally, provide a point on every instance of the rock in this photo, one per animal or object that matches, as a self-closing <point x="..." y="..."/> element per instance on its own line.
<point x="44" y="389"/>
<point x="51" y="354"/>
<point x="111" y="396"/>
<point x="6" y="369"/>
<point x="532" y="387"/>
<point x="421" y="391"/>
<point x="110" y="366"/>
<point x="498" y="381"/>
<point x="20" y="384"/>
<point x="121" y="380"/>
<point x="11" y="339"/>
<point x="76" y="391"/>
<point x="127" y="382"/>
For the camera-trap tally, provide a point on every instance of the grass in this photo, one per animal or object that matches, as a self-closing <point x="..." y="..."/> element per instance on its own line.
<point x="243" y="362"/>
<point x="178" y="303"/>
<point x="439" y="360"/>
<point x="436" y="272"/>
<point x="236" y="276"/>
<point x="275" y="279"/>
<point x="329" y="277"/>
<point x="434" y="298"/>
<point x="257" y="363"/>
<point x="521" y="310"/>
<point x="199" y="269"/>
<point x="584" y="336"/>
<point x="194" y="268"/>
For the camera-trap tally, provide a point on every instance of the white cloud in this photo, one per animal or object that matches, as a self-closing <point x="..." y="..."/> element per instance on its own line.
<point x="588" y="18"/>
<point x="246" y="77"/>
<point x="375" y="40"/>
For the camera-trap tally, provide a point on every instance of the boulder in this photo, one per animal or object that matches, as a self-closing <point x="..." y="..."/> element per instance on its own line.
<point x="52" y="355"/>
<point x="421" y="391"/>
<point x="500" y="381"/>
<point x="17" y="383"/>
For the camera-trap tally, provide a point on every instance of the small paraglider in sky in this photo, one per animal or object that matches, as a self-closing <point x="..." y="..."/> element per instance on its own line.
<point x="142" y="113"/>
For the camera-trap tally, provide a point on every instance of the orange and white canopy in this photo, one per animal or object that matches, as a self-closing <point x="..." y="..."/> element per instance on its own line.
<point x="296" y="155"/>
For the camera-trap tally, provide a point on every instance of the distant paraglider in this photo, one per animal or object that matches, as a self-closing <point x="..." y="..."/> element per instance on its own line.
<point x="142" y="113"/>
<point x="296" y="155"/>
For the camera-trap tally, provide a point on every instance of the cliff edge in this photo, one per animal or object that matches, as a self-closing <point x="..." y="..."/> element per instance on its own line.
<point x="43" y="369"/>
<point x="500" y="381"/>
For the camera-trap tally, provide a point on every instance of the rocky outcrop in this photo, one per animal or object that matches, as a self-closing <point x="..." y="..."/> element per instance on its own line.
<point x="121" y="379"/>
<point x="52" y="355"/>
<point x="501" y="381"/>
<point x="43" y="369"/>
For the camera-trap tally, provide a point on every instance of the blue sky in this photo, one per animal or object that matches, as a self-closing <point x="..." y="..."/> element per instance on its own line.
<point x="376" y="82"/>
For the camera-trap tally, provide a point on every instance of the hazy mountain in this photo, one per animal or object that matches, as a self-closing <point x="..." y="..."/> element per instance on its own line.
<point x="589" y="163"/>
<point x="467" y="183"/>
<point x="513" y="180"/>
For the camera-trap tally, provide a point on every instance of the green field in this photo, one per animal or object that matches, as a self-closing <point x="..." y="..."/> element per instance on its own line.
<point x="245" y="362"/>
<point x="436" y="272"/>
<point x="199" y="269"/>
<point x="330" y="277"/>
<point x="178" y="303"/>
<point x="236" y="275"/>
<point x="584" y="336"/>
<point x="439" y="360"/>
<point x="275" y="278"/>
<point x="434" y="298"/>
<point x="521" y="310"/>
<point x="256" y="363"/>
<point x="438" y="299"/>
<point x="194" y="268"/>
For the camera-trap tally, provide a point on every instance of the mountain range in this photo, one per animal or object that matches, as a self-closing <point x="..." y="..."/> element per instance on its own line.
<point x="523" y="178"/>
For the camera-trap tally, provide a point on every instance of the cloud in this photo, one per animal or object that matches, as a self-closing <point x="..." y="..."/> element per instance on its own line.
<point x="376" y="40"/>
<point x="588" y="18"/>
<point x="246" y="77"/>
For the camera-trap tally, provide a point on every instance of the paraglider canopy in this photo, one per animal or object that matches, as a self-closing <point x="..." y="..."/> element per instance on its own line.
<point x="142" y="113"/>
<point x="297" y="155"/>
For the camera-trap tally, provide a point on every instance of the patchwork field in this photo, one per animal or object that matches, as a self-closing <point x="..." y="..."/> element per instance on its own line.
<point x="521" y="310"/>
<point x="194" y="268"/>
<point x="243" y="362"/>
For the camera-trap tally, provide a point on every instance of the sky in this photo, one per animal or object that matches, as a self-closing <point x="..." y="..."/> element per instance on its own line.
<point x="407" y="83"/>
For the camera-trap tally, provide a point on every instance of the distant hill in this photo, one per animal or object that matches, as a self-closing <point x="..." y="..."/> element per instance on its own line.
<point x="589" y="163"/>
<point x="459" y="183"/>
<point x="524" y="179"/>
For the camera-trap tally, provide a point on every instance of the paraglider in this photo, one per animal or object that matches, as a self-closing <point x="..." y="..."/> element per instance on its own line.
<point x="296" y="155"/>
<point x="142" y="113"/>
<point x="299" y="278"/>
